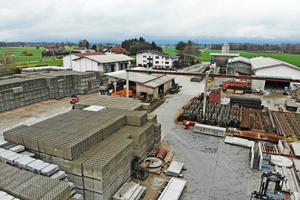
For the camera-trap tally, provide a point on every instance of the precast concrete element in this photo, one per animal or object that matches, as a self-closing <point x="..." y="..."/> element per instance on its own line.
<point x="25" y="89"/>
<point x="111" y="102"/>
<point x="210" y="130"/>
<point x="284" y="147"/>
<point x="173" y="190"/>
<point x="174" y="169"/>
<point x="27" y="185"/>
<point x="130" y="191"/>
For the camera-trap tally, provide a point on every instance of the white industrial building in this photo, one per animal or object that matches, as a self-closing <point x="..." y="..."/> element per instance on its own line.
<point x="105" y="63"/>
<point x="67" y="59"/>
<point x="266" y="67"/>
<point x="155" y="59"/>
<point x="146" y="84"/>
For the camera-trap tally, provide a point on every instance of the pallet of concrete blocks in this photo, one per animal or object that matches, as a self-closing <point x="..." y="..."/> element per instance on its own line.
<point x="136" y="118"/>
<point x="152" y="118"/>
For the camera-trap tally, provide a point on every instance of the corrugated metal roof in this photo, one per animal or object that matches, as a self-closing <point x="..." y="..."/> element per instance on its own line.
<point x="224" y="54"/>
<point x="134" y="77"/>
<point x="239" y="59"/>
<point x="108" y="58"/>
<point x="264" y="62"/>
<point x="159" y="81"/>
<point x="150" y="80"/>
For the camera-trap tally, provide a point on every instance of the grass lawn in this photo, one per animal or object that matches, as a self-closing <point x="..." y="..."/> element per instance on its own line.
<point x="32" y="58"/>
<point x="293" y="59"/>
<point x="49" y="63"/>
<point x="17" y="51"/>
<point x="170" y="50"/>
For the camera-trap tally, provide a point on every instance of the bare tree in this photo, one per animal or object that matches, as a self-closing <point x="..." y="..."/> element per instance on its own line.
<point x="7" y="60"/>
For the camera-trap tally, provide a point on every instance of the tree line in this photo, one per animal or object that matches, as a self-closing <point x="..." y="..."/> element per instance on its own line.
<point x="135" y="45"/>
<point x="282" y="48"/>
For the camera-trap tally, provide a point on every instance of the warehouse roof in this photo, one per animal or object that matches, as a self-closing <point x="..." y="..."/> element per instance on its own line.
<point x="261" y="62"/>
<point x="108" y="58"/>
<point x="159" y="81"/>
<point x="159" y="53"/>
<point x="225" y="54"/>
<point x="239" y="59"/>
<point x="151" y="80"/>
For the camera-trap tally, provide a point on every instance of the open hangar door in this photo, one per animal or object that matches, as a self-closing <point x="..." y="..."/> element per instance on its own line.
<point x="276" y="85"/>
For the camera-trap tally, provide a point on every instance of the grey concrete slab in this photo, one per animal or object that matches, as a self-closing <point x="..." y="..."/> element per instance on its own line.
<point x="215" y="170"/>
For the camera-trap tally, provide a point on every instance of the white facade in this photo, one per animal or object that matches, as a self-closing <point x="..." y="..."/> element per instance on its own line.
<point x="67" y="60"/>
<point x="283" y="71"/>
<point x="80" y="50"/>
<point x="109" y="52"/>
<point x="86" y="64"/>
<point x="158" y="60"/>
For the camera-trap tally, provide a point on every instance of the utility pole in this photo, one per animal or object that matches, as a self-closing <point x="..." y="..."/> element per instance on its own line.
<point x="205" y="94"/>
<point x="127" y="84"/>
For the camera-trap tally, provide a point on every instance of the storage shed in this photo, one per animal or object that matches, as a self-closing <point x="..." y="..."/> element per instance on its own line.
<point x="146" y="84"/>
<point x="273" y="68"/>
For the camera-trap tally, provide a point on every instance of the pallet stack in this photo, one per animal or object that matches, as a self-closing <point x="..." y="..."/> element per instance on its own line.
<point x="94" y="148"/>
<point x="27" y="185"/>
<point x="18" y="92"/>
<point x="111" y="102"/>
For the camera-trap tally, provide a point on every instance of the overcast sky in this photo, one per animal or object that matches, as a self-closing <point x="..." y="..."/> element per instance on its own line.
<point x="117" y="20"/>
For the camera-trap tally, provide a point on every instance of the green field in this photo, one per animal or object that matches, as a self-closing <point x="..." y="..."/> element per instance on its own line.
<point x="49" y="63"/>
<point x="293" y="59"/>
<point x="17" y="51"/>
<point x="31" y="58"/>
<point x="170" y="50"/>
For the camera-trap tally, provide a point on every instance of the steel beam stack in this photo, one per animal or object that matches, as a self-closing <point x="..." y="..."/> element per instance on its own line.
<point x="27" y="185"/>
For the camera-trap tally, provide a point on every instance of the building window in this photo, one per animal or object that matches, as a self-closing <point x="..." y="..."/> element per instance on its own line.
<point x="156" y="62"/>
<point x="144" y="56"/>
<point x="167" y="58"/>
<point x="157" y="57"/>
<point x="144" y="61"/>
<point x="167" y="62"/>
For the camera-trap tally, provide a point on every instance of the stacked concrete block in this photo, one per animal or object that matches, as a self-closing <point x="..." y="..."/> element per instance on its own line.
<point x="136" y="118"/>
<point x="157" y="133"/>
<point x="27" y="185"/>
<point x="95" y="149"/>
<point x="152" y="118"/>
<point x="23" y="90"/>
<point x="111" y="102"/>
<point x="18" y="92"/>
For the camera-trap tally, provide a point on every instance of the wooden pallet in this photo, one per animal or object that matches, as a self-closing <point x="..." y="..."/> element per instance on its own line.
<point x="276" y="150"/>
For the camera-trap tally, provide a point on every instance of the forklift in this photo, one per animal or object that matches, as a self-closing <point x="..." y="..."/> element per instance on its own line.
<point x="74" y="97"/>
<point x="265" y="192"/>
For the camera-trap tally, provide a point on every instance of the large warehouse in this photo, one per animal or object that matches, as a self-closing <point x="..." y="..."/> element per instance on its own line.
<point x="105" y="63"/>
<point x="266" y="67"/>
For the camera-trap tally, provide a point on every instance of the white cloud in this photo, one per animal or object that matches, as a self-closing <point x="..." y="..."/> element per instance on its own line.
<point x="119" y="19"/>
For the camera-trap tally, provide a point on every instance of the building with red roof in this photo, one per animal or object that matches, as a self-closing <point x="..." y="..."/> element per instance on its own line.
<point x="117" y="50"/>
<point x="67" y="59"/>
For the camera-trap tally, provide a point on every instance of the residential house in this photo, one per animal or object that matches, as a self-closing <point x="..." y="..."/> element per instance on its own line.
<point x="116" y="50"/>
<point x="105" y="63"/>
<point x="155" y="59"/>
<point x="50" y="47"/>
<point x="80" y="49"/>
